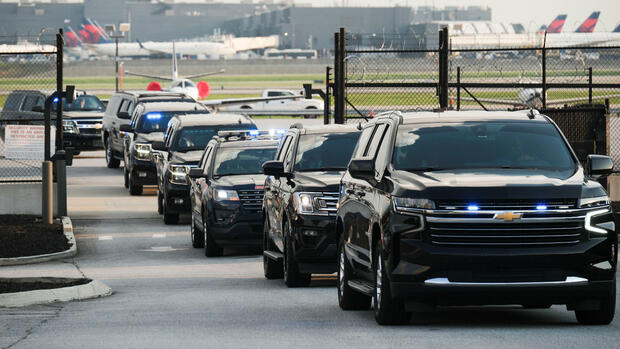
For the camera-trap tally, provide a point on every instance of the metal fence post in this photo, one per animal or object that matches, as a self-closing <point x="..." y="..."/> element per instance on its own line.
<point x="47" y="193"/>
<point x="544" y="74"/>
<point x="328" y="95"/>
<point x="336" y="75"/>
<point x="61" y="164"/>
<point x="458" y="88"/>
<point x="590" y="85"/>
<point x="339" y="117"/>
<point x="443" y="68"/>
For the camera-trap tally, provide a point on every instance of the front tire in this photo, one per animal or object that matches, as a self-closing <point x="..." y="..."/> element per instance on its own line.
<point x="604" y="315"/>
<point x="388" y="311"/>
<point x="292" y="276"/>
<point x="169" y="217"/>
<point x="211" y="247"/>
<point x="197" y="236"/>
<point x="134" y="189"/>
<point x="110" y="160"/>
<point x="126" y="177"/>
<point x="271" y="268"/>
<point x="160" y="203"/>
<point x="348" y="299"/>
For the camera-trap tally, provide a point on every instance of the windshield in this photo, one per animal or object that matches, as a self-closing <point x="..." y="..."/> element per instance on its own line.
<point x="197" y="138"/>
<point x="325" y="152"/>
<point x="481" y="145"/>
<point x="242" y="161"/>
<point x="84" y="103"/>
<point x="155" y="121"/>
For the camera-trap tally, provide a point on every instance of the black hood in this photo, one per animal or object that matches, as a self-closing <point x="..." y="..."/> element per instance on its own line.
<point x="487" y="184"/>
<point x="325" y="181"/>
<point x="149" y="137"/>
<point x="186" y="158"/>
<point x="241" y="182"/>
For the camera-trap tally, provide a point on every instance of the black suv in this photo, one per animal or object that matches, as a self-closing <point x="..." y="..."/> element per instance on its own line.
<point x="183" y="146"/>
<point x="301" y="194"/>
<point x="82" y="119"/>
<point x="119" y="111"/>
<point x="227" y="191"/>
<point x="148" y="124"/>
<point x="471" y="208"/>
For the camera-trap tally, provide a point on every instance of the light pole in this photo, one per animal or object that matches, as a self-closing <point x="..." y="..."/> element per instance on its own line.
<point x="120" y="34"/>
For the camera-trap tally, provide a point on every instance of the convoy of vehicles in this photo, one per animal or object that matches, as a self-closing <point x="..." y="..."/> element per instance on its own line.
<point x="227" y="191"/>
<point x="148" y="124"/>
<point x="183" y="147"/>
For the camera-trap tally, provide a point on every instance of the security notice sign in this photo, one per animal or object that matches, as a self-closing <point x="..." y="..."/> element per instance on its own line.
<point x="26" y="142"/>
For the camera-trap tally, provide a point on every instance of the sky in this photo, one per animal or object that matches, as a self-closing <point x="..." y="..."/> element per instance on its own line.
<point x="532" y="13"/>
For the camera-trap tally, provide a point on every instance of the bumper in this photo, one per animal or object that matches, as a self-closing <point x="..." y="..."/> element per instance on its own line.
<point x="232" y="225"/>
<point x="83" y="142"/>
<point x="143" y="173"/>
<point x="315" y="243"/>
<point x="177" y="198"/>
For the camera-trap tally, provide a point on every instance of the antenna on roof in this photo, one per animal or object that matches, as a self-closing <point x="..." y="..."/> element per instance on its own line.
<point x="297" y="125"/>
<point x="532" y="113"/>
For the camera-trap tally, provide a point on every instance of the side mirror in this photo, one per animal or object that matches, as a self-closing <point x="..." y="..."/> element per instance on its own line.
<point x="126" y="128"/>
<point x="362" y="169"/>
<point x="196" y="172"/>
<point x="599" y="165"/>
<point x="123" y="115"/>
<point x="159" y="145"/>
<point x="274" y="168"/>
<point x="37" y="108"/>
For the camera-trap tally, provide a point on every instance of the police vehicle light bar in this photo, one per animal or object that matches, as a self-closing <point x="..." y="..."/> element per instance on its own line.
<point x="251" y="134"/>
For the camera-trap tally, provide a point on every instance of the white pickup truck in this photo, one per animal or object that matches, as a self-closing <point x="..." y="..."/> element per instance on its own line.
<point x="296" y="104"/>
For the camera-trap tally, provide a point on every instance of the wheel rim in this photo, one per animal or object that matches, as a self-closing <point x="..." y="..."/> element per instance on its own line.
<point x="341" y="273"/>
<point x="379" y="281"/>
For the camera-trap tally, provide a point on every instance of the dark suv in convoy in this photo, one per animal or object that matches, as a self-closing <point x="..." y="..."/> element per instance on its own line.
<point x="148" y="124"/>
<point x="119" y="111"/>
<point x="183" y="146"/>
<point x="472" y="208"/>
<point x="301" y="194"/>
<point x="82" y="119"/>
<point x="227" y="191"/>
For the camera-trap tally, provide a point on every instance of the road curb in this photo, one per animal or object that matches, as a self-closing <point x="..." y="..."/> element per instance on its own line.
<point x="67" y="227"/>
<point x="93" y="289"/>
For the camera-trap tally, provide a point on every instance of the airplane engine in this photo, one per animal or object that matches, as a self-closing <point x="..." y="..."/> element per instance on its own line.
<point x="154" y="86"/>
<point x="203" y="89"/>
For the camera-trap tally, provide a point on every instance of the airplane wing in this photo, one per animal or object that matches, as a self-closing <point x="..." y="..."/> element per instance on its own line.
<point x="513" y="103"/>
<point x="165" y="78"/>
<point x="580" y="99"/>
<point x="205" y="74"/>
<point x="216" y="103"/>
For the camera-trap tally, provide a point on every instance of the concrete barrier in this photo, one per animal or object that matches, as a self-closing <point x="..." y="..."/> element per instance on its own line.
<point x="22" y="198"/>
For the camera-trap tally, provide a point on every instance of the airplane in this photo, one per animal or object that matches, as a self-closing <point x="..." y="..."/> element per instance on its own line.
<point x="179" y="84"/>
<point x="588" y="25"/>
<point x="556" y="25"/>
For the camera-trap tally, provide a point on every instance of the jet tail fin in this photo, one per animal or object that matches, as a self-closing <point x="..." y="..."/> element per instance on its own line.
<point x="617" y="30"/>
<point x="71" y="37"/>
<point x="588" y="25"/>
<point x="556" y="25"/>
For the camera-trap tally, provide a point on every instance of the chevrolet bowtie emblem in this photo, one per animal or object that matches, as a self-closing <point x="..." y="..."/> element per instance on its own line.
<point x="508" y="216"/>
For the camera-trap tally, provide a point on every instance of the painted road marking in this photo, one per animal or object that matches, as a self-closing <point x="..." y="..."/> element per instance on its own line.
<point x="163" y="249"/>
<point x="159" y="236"/>
<point x="151" y="235"/>
<point x="105" y="237"/>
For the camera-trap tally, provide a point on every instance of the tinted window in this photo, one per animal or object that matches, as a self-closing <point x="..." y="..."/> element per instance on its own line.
<point x="363" y="141"/>
<point x="239" y="161"/>
<point x="481" y="145"/>
<point x="371" y="149"/>
<point x="278" y="93"/>
<point x="284" y="148"/>
<point x="196" y="138"/>
<point x="153" y="121"/>
<point x="325" y="152"/>
<point x="84" y="103"/>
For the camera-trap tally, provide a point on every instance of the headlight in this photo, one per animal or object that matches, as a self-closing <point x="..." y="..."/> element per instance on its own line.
<point x="407" y="204"/>
<point x="142" y="151"/>
<point x="307" y="203"/>
<point x="178" y="174"/>
<point x="225" y="195"/>
<point x="598" y="229"/>
<point x="69" y="126"/>
<point x="594" y="202"/>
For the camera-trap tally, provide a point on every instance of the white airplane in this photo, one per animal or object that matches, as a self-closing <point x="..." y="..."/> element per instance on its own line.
<point x="179" y="84"/>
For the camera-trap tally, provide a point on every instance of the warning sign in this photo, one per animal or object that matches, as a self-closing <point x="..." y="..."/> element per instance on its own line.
<point x="26" y="142"/>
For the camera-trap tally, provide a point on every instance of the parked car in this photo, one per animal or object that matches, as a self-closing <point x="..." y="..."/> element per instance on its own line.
<point x="227" y="191"/>
<point x="119" y="111"/>
<point x="183" y="147"/>
<point x="301" y="194"/>
<point x="294" y="104"/>
<point x="82" y="119"/>
<point x="471" y="208"/>
<point x="148" y="124"/>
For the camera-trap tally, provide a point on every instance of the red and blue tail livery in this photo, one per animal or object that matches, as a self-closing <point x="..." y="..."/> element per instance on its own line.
<point x="557" y="24"/>
<point x="617" y="30"/>
<point x="588" y="25"/>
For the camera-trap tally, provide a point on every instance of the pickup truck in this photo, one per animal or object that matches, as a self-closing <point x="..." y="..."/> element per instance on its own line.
<point x="296" y="104"/>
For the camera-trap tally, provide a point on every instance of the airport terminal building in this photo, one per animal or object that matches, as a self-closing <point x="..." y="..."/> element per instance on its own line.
<point x="298" y="26"/>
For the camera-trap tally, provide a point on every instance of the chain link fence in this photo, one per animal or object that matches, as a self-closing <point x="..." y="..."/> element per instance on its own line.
<point x="27" y="75"/>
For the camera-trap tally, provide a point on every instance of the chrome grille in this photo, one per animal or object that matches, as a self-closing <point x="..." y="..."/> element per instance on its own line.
<point x="488" y="229"/>
<point x="508" y="205"/>
<point x="88" y="126"/>
<point x="327" y="202"/>
<point x="251" y="200"/>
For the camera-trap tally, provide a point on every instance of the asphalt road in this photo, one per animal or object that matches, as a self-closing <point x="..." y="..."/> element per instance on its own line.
<point x="168" y="294"/>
